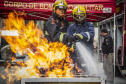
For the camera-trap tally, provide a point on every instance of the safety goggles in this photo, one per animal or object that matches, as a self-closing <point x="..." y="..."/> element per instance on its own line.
<point x="61" y="7"/>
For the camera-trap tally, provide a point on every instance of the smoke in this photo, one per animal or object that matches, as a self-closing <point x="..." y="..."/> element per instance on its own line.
<point x="90" y="66"/>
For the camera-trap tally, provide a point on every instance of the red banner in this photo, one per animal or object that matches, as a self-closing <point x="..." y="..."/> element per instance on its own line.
<point x="92" y="6"/>
<point x="97" y="10"/>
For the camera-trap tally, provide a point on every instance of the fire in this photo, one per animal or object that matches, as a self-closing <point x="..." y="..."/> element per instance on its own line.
<point x="51" y="58"/>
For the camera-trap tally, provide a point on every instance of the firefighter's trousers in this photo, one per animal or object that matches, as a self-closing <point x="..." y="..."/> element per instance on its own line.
<point x="108" y="66"/>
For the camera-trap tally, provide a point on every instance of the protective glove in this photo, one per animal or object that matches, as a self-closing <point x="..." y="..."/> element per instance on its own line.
<point x="71" y="39"/>
<point x="78" y="36"/>
<point x="73" y="46"/>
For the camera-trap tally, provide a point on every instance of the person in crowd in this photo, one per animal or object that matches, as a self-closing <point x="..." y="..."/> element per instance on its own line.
<point x="82" y="31"/>
<point x="57" y="24"/>
<point x="107" y="49"/>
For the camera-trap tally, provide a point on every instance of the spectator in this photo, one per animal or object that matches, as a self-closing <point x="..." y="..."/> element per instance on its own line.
<point x="107" y="49"/>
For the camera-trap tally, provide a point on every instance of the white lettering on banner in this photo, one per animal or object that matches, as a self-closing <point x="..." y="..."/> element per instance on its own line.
<point x="49" y="6"/>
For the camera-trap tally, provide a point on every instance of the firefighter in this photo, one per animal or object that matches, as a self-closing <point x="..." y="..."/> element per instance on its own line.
<point x="107" y="49"/>
<point x="56" y="26"/>
<point x="82" y="30"/>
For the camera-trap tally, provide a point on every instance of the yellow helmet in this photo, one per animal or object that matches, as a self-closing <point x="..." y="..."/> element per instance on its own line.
<point x="79" y="13"/>
<point x="60" y="4"/>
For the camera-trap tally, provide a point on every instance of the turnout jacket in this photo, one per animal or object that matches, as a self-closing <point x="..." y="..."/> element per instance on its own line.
<point x="56" y="29"/>
<point x="107" y="45"/>
<point x="87" y="30"/>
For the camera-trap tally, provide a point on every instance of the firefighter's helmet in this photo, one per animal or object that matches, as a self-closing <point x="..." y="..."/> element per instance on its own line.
<point x="79" y="13"/>
<point x="60" y="4"/>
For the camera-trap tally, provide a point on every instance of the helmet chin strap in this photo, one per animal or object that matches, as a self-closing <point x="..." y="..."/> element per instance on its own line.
<point x="60" y="14"/>
<point x="81" y="21"/>
<point x="62" y="17"/>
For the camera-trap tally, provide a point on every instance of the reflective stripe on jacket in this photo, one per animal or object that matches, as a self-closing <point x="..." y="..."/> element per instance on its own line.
<point x="86" y="29"/>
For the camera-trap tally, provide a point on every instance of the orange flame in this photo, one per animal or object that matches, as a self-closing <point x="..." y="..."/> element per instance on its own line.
<point x="53" y="57"/>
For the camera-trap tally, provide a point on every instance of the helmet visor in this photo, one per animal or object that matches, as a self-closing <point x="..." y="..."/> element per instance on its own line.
<point x="60" y="7"/>
<point x="79" y="17"/>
